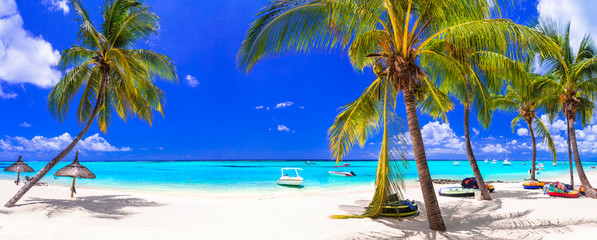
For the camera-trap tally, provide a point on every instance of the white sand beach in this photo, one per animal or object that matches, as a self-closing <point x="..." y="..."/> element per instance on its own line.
<point x="48" y="212"/>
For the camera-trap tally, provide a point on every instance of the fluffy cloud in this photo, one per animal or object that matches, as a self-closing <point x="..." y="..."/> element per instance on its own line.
<point x="284" y="104"/>
<point x="554" y="127"/>
<point x="579" y="12"/>
<point x="283" y="128"/>
<point x="7" y="95"/>
<point x="191" y="81"/>
<point x="440" y="138"/>
<point x="476" y="131"/>
<point x="25" y="124"/>
<point x="522" y="132"/>
<point x="24" y="58"/>
<point x="259" y="107"/>
<point x="51" y="144"/>
<point x="57" y="5"/>
<point x="493" y="148"/>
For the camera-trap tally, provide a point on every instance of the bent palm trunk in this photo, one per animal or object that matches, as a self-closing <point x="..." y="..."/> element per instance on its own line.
<point x="589" y="191"/>
<point x="56" y="160"/>
<point x="570" y="156"/>
<point x="534" y="149"/>
<point x="434" y="214"/>
<point x="471" y="156"/>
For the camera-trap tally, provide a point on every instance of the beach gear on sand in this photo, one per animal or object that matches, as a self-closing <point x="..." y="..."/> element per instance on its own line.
<point x="557" y="189"/>
<point x="457" y="192"/>
<point x="582" y="190"/>
<point x="472" y="183"/>
<point x="19" y="166"/>
<point x="402" y="208"/>
<point x="74" y="170"/>
<point x="533" y="184"/>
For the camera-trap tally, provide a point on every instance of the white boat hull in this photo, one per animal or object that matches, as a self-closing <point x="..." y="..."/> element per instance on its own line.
<point x="290" y="181"/>
<point x="340" y="174"/>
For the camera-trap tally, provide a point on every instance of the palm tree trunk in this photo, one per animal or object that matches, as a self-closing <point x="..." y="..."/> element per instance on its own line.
<point x="570" y="156"/>
<point x="56" y="160"/>
<point x="434" y="215"/>
<point x="534" y="149"/>
<point x="589" y="191"/>
<point x="471" y="156"/>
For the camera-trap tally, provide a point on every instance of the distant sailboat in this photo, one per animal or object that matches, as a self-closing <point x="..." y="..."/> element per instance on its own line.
<point x="486" y="161"/>
<point x="456" y="163"/>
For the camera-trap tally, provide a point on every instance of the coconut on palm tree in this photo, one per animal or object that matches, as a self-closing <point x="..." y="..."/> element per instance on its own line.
<point x="112" y="74"/>
<point x="526" y="98"/>
<point x="574" y="91"/>
<point x="393" y="37"/>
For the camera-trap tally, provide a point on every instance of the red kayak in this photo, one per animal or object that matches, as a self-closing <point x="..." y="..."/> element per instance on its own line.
<point x="345" y="165"/>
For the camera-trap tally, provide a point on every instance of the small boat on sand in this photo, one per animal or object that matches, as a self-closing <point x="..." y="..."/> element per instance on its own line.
<point x="289" y="180"/>
<point x="342" y="174"/>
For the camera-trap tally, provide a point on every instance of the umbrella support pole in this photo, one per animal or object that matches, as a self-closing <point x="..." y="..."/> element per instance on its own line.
<point x="72" y="189"/>
<point x="18" y="177"/>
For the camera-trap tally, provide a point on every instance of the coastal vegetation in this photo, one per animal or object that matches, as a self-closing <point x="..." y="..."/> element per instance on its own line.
<point x="404" y="43"/>
<point x="574" y="89"/>
<point x="527" y="98"/>
<point x="114" y="76"/>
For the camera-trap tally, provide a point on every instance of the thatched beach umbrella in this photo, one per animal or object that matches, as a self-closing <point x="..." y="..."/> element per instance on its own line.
<point x="19" y="167"/>
<point x="74" y="170"/>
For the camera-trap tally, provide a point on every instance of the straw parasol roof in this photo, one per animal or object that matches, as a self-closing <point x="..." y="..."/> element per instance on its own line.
<point x="75" y="170"/>
<point x="19" y="166"/>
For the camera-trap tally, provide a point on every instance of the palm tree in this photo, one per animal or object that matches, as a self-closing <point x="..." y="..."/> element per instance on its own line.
<point x="395" y="37"/>
<point x="526" y="98"/>
<point x="111" y="73"/>
<point x="574" y="91"/>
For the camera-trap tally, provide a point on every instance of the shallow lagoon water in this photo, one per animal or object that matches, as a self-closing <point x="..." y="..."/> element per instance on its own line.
<point x="261" y="175"/>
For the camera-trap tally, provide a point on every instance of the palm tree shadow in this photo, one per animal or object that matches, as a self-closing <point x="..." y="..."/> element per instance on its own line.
<point x="473" y="220"/>
<point x="105" y="206"/>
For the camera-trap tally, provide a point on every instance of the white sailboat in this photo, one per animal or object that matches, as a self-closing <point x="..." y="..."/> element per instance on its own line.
<point x="456" y="163"/>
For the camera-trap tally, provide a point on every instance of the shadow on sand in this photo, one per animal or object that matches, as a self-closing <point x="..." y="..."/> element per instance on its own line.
<point x="471" y="219"/>
<point x="105" y="206"/>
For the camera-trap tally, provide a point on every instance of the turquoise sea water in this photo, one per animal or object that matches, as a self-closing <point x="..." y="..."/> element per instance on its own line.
<point x="261" y="175"/>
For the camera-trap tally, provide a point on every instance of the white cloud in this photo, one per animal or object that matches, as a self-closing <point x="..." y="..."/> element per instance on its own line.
<point x="259" y="107"/>
<point x="580" y="13"/>
<point x="283" y="128"/>
<point x="284" y="104"/>
<point x="25" y="124"/>
<point x="301" y="107"/>
<point x="49" y="144"/>
<point x="57" y="5"/>
<point x="24" y="58"/>
<point x="191" y="81"/>
<point x="7" y="95"/>
<point x="522" y="132"/>
<point x="491" y="148"/>
<point x="476" y="131"/>
<point x="513" y="142"/>
<point x="554" y="127"/>
<point x="439" y="137"/>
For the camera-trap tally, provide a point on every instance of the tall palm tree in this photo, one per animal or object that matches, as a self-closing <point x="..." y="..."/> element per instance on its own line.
<point x="395" y="36"/>
<point x="111" y="73"/>
<point x="527" y="98"/>
<point x="575" y="90"/>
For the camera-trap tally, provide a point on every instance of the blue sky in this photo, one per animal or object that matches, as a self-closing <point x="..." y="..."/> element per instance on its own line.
<point x="280" y="110"/>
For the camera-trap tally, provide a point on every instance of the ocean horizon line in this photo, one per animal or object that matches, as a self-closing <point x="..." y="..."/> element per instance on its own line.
<point x="285" y="160"/>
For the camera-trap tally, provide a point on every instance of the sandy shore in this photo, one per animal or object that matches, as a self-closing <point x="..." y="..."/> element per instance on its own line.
<point x="49" y="213"/>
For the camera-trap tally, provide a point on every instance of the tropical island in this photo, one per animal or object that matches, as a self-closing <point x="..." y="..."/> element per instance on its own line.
<point x="531" y="86"/>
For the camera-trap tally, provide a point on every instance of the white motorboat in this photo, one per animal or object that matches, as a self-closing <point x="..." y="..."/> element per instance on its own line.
<point x="288" y="179"/>
<point x="524" y="163"/>
<point x="456" y="163"/>
<point x="507" y="163"/>
<point x="310" y="163"/>
<point x="493" y="161"/>
<point x="342" y="174"/>
<point x="486" y="161"/>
